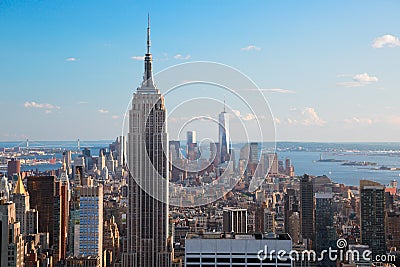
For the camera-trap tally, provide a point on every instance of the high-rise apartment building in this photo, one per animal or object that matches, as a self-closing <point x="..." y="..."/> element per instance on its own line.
<point x="253" y="154"/>
<point x="148" y="241"/>
<point x="325" y="233"/>
<point x="372" y="211"/>
<point x="47" y="196"/>
<point x="307" y="215"/>
<point x="89" y="239"/>
<point x="42" y="192"/>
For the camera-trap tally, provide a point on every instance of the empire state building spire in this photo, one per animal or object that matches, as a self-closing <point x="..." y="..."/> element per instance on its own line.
<point x="148" y="58"/>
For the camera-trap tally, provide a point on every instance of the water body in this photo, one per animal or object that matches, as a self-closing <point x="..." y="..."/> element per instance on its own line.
<point x="94" y="146"/>
<point x="305" y="162"/>
<point x="304" y="158"/>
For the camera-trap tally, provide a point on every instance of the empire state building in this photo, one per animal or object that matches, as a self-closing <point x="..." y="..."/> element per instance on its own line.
<point x="148" y="242"/>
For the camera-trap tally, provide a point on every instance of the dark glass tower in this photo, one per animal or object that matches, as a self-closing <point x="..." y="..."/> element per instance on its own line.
<point x="325" y="233"/>
<point x="46" y="198"/>
<point x="307" y="209"/>
<point x="372" y="208"/>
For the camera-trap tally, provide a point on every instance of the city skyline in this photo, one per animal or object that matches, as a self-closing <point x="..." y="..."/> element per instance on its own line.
<point x="305" y="69"/>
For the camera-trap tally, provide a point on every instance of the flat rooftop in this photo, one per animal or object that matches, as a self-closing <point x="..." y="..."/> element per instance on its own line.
<point x="238" y="236"/>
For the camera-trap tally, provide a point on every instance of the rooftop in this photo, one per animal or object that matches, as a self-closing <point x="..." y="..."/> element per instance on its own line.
<point x="220" y="235"/>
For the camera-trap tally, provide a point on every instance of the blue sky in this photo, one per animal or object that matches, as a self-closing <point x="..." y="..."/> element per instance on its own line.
<point x="329" y="69"/>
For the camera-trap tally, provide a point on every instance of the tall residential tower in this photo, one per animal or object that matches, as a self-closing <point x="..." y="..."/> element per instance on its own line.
<point x="372" y="210"/>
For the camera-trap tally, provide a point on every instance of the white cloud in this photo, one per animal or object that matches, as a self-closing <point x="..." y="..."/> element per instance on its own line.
<point x="34" y="104"/>
<point x="236" y="112"/>
<point x="306" y="117"/>
<point x="360" y="80"/>
<point x="249" y="117"/>
<point x="386" y="40"/>
<point x="245" y="117"/>
<point x="115" y="117"/>
<point x="251" y="48"/>
<point x="103" y="111"/>
<point x="179" y="56"/>
<point x="137" y="58"/>
<point x="82" y="103"/>
<point x="311" y="117"/>
<point x="365" y="78"/>
<point x="71" y="59"/>
<point x="358" y="120"/>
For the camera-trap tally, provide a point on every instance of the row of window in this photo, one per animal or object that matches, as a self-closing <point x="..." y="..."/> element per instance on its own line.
<point x="234" y="260"/>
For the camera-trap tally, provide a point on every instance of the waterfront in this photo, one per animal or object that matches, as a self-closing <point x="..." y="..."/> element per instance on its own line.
<point x="304" y="157"/>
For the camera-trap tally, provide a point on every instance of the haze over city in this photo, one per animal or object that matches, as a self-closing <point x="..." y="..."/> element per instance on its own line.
<point x="327" y="68"/>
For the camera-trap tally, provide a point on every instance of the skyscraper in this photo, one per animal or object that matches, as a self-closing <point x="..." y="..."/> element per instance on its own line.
<point x="372" y="208"/>
<point x="253" y="154"/>
<point x="290" y="206"/>
<point x="11" y="242"/>
<point x="47" y="198"/>
<point x="42" y="191"/>
<point x="148" y="242"/>
<point x="325" y="233"/>
<point x="90" y="238"/>
<point x="192" y="149"/>
<point x="223" y="135"/>
<point x="21" y="199"/>
<point x="13" y="167"/>
<point x="61" y="214"/>
<point x="307" y="210"/>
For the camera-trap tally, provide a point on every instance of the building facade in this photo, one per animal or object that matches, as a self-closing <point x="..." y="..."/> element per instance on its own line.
<point x="21" y="199"/>
<point x="325" y="233"/>
<point x="41" y="197"/>
<point x="234" y="220"/>
<point x="372" y="211"/>
<point x="90" y="238"/>
<point x="11" y="242"/>
<point x="307" y="215"/>
<point x="217" y="249"/>
<point x="148" y="241"/>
